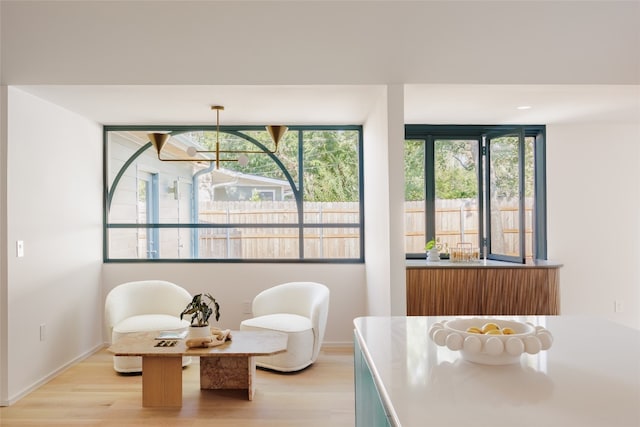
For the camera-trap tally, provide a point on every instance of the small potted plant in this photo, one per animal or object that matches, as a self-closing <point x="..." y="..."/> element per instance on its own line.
<point x="431" y="248"/>
<point x="200" y="309"/>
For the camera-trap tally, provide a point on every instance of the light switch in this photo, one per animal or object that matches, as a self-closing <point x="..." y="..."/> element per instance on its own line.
<point x="20" y="248"/>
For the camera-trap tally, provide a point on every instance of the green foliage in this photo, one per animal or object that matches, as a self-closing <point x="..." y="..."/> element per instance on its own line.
<point x="414" y="170"/>
<point x="455" y="168"/>
<point x="330" y="162"/>
<point x="200" y="310"/>
<point x="504" y="167"/>
<point x="262" y="164"/>
<point x="430" y="245"/>
<point x="255" y="196"/>
<point x="331" y="166"/>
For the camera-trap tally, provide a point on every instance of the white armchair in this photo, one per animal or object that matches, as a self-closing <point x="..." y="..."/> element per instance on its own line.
<point x="300" y="310"/>
<point x="147" y="305"/>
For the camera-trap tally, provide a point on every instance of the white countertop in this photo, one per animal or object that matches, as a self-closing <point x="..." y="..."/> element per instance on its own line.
<point x="589" y="377"/>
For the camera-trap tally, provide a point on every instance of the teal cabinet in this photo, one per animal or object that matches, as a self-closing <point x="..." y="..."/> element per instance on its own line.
<point x="370" y="411"/>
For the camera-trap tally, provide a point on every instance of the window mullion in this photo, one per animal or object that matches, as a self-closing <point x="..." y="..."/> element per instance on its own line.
<point x="482" y="185"/>
<point x="300" y="194"/>
<point x="430" y="188"/>
<point x="521" y="185"/>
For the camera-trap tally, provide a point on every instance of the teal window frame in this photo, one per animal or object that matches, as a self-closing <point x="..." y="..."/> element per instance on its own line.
<point x="298" y="191"/>
<point x="429" y="133"/>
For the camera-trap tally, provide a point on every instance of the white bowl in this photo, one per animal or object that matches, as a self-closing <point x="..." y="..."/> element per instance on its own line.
<point x="490" y="349"/>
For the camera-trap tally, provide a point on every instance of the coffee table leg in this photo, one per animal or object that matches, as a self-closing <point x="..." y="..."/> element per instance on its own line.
<point x="229" y="372"/>
<point x="161" y="381"/>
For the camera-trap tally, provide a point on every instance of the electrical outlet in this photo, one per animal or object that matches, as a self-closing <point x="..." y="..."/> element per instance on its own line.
<point x="43" y="330"/>
<point x="617" y="306"/>
<point x="246" y="307"/>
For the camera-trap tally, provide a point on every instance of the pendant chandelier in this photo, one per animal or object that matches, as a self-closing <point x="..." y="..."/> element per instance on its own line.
<point x="159" y="140"/>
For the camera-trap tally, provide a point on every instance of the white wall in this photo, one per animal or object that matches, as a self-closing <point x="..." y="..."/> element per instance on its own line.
<point x="54" y="205"/>
<point x="3" y="233"/>
<point x="384" y="204"/>
<point x="593" y="184"/>
<point x="234" y="284"/>
<point x="3" y="245"/>
<point x="395" y="159"/>
<point x="376" y="199"/>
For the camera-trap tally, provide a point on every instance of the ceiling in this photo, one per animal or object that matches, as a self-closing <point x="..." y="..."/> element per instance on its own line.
<point x="346" y="104"/>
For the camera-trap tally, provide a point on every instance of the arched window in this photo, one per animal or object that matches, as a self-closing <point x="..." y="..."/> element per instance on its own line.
<point x="301" y="203"/>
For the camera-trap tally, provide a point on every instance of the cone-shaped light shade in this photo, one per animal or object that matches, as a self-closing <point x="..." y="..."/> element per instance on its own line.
<point x="276" y="132"/>
<point x="158" y="140"/>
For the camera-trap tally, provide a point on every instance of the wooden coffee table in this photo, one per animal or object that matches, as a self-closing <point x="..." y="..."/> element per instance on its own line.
<point x="228" y="366"/>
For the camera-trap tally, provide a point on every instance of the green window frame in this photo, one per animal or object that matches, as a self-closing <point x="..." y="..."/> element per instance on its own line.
<point x="316" y="174"/>
<point x="523" y="182"/>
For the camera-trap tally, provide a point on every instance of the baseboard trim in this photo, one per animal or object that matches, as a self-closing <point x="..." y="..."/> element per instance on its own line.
<point x="53" y="374"/>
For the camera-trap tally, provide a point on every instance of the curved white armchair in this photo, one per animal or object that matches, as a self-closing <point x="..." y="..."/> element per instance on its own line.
<point x="300" y="310"/>
<point x="146" y="305"/>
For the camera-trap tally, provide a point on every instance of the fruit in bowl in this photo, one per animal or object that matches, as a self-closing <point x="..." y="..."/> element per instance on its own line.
<point x="490" y="341"/>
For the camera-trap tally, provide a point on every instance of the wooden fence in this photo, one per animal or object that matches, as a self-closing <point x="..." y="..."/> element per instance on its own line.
<point x="271" y="242"/>
<point x="456" y="221"/>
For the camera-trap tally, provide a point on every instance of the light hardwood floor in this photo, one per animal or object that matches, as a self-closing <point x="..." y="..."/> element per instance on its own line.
<point x="92" y="394"/>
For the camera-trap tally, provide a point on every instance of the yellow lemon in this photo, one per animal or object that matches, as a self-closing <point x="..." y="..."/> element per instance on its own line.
<point x="474" y="330"/>
<point x="489" y="327"/>
<point x="493" y="332"/>
<point x="508" y="331"/>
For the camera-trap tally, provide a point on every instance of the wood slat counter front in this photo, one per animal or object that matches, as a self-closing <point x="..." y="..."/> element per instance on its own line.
<point x="486" y="287"/>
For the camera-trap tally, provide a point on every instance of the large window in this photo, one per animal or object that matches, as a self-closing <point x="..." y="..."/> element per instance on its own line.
<point x="302" y="203"/>
<point x="479" y="189"/>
